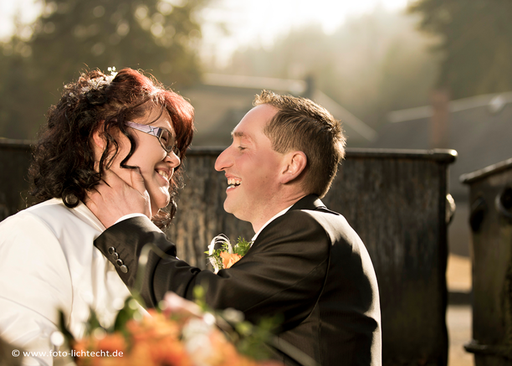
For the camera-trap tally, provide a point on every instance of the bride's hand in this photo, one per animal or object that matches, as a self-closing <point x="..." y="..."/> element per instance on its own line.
<point x="114" y="198"/>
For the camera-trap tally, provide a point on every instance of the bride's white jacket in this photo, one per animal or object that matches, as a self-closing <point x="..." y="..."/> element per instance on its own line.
<point x="48" y="262"/>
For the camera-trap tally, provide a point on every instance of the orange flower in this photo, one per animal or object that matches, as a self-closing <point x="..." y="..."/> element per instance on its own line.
<point x="181" y="336"/>
<point x="159" y="351"/>
<point x="108" y="349"/>
<point x="111" y="343"/>
<point x="229" y="259"/>
<point x="153" y="327"/>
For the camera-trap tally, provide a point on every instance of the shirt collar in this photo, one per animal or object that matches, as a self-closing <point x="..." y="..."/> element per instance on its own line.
<point x="281" y="213"/>
<point x="83" y="212"/>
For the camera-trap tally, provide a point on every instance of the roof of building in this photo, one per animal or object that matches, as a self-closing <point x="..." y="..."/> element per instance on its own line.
<point x="479" y="129"/>
<point x="221" y="101"/>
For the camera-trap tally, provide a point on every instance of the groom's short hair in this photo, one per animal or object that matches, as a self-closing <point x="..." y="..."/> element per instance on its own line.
<point x="300" y="124"/>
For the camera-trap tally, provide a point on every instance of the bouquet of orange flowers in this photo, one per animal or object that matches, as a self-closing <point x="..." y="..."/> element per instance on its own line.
<point x="227" y="254"/>
<point x="179" y="333"/>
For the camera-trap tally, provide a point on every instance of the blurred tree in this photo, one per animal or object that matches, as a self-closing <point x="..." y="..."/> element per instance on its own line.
<point x="476" y="43"/>
<point x="158" y="36"/>
<point x="372" y="64"/>
<point x="17" y="94"/>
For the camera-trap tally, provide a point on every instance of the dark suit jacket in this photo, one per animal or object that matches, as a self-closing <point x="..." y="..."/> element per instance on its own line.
<point x="308" y="265"/>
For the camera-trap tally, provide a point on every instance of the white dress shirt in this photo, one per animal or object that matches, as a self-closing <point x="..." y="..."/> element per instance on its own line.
<point x="280" y="213"/>
<point x="48" y="262"/>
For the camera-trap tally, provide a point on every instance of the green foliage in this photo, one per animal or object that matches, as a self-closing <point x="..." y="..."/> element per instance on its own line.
<point x="250" y="339"/>
<point x="73" y="35"/>
<point x="130" y="310"/>
<point x="68" y="336"/>
<point x="476" y="43"/>
<point x="254" y="339"/>
<point x="17" y="98"/>
<point x="242" y="246"/>
<point x="215" y="258"/>
<point x="199" y="296"/>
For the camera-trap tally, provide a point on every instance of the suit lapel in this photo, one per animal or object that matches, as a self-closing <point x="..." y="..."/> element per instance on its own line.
<point x="310" y="202"/>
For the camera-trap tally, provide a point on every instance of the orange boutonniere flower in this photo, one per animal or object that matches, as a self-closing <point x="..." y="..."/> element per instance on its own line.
<point x="227" y="255"/>
<point x="228" y="259"/>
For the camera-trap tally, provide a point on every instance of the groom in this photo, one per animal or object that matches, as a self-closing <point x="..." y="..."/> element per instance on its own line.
<point x="306" y="264"/>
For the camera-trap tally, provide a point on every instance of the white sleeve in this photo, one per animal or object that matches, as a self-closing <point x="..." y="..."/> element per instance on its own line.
<point x="129" y="216"/>
<point x="35" y="283"/>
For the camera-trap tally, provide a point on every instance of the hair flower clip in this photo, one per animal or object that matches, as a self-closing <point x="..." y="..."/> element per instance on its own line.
<point x="101" y="81"/>
<point x="112" y="70"/>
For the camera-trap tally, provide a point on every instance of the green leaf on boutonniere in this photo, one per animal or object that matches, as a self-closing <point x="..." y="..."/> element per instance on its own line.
<point x="242" y="246"/>
<point x="233" y="252"/>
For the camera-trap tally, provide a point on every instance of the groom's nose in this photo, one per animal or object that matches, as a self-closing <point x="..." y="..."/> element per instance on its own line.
<point x="223" y="160"/>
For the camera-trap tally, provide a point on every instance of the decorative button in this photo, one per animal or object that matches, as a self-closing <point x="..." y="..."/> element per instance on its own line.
<point x="119" y="261"/>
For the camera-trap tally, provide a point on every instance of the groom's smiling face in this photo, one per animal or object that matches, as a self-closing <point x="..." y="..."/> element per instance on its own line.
<point x="252" y="168"/>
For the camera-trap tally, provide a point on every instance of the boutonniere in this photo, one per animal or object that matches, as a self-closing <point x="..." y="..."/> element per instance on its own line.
<point x="227" y="255"/>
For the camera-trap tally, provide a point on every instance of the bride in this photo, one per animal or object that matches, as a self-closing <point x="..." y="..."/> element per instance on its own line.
<point x="124" y="122"/>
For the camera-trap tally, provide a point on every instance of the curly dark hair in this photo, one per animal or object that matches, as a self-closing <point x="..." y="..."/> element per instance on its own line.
<point x="63" y="164"/>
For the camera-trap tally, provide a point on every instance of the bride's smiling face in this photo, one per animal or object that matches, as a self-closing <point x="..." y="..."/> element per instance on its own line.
<point x="155" y="163"/>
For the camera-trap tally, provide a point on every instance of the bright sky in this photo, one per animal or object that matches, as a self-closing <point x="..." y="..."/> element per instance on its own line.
<point x="249" y="21"/>
<point x="260" y="21"/>
<point x="9" y="7"/>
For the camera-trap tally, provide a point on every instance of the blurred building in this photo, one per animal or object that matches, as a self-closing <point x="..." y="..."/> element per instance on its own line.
<point x="221" y="101"/>
<point x="479" y="128"/>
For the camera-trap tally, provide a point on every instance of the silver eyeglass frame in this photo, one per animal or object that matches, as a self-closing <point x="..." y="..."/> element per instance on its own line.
<point x="157" y="132"/>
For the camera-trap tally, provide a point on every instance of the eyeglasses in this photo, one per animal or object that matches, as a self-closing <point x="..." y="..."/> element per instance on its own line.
<point x="163" y="135"/>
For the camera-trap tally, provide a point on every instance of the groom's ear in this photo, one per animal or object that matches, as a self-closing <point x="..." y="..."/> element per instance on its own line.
<point x="296" y="162"/>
